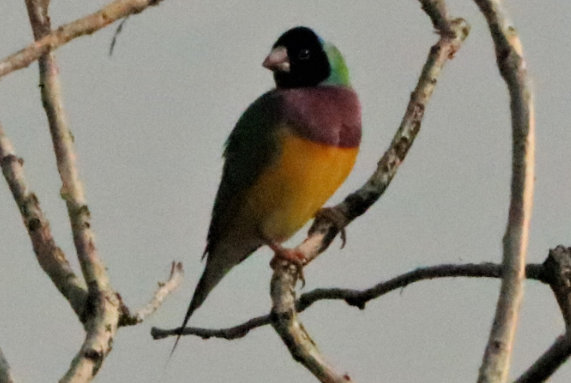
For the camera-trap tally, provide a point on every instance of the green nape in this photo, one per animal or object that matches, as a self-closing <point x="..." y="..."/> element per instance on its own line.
<point x="339" y="71"/>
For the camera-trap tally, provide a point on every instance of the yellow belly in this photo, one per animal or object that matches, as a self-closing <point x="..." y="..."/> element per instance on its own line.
<point x="297" y="185"/>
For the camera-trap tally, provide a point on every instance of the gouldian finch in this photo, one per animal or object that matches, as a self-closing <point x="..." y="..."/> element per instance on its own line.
<point x="288" y="153"/>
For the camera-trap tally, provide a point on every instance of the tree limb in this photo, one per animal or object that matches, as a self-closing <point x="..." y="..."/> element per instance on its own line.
<point x="103" y="307"/>
<point x="112" y="12"/>
<point x="62" y="139"/>
<point x="165" y="288"/>
<point x="50" y="257"/>
<point x="496" y="360"/>
<point x="229" y="333"/>
<point x="359" y="298"/>
<point x="285" y="321"/>
<point x="97" y="305"/>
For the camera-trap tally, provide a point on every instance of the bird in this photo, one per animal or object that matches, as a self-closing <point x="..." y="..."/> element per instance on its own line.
<point x="287" y="154"/>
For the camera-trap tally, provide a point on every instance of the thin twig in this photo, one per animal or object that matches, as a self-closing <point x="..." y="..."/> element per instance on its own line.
<point x="359" y="298"/>
<point x="102" y="314"/>
<point x="229" y="333"/>
<point x="112" y="12"/>
<point x="116" y="35"/>
<point x="496" y="361"/>
<point x="550" y="361"/>
<point x="557" y="272"/>
<point x="50" y="257"/>
<point x="165" y="289"/>
<point x="5" y="372"/>
<point x="62" y="139"/>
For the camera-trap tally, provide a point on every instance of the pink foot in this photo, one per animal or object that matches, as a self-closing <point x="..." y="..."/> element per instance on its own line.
<point x="291" y="255"/>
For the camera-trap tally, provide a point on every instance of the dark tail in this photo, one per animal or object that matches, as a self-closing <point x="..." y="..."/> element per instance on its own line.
<point x="219" y="262"/>
<point x="193" y="306"/>
<point x="212" y="274"/>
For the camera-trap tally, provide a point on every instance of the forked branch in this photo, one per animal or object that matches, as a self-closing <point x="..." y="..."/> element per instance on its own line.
<point x="555" y="272"/>
<point x="98" y="306"/>
<point x="162" y="292"/>
<point x="103" y="305"/>
<point x="87" y="25"/>
<point x="50" y="257"/>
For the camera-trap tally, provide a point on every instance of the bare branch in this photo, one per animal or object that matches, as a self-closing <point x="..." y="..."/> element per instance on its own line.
<point x="112" y="12"/>
<point x="97" y="305"/>
<point x="165" y="288"/>
<point x="359" y="298"/>
<point x="557" y="272"/>
<point x="230" y="333"/>
<point x="496" y="361"/>
<point x="103" y="305"/>
<point x="550" y="361"/>
<point x="438" y="13"/>
<point x="50" y="257"/>
<point x="62" y="139"/>
<point x="323" y="230"/>
<point x="5" y="373"/>
<point x="284" y="320"/>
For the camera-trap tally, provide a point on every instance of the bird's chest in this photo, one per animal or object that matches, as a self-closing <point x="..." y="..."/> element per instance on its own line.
<point x="297" y="184"/>
<point x="327" y="115"/>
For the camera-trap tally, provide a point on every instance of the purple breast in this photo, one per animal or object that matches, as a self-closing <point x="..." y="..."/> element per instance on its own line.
<point x="326" y="114"/>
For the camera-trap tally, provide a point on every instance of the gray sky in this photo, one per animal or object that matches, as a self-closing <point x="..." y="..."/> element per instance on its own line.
<point x="150" y="122"/>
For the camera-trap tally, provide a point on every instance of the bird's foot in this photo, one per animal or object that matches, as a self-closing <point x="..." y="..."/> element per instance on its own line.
<point x="291" y="255"/>
<point x="338" y="219"/>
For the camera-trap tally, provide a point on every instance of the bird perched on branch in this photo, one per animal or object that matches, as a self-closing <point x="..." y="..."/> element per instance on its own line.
<point x="288" y="153"/>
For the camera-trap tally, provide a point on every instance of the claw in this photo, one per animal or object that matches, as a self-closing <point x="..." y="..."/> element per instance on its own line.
<point x="337" y="218"/>
<point x="343" y="235"/>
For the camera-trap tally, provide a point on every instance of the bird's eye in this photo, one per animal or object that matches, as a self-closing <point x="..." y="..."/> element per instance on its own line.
<point x="304" y="54"/>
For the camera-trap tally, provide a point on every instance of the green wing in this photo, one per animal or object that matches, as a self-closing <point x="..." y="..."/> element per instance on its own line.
<point x="250" y="148"/>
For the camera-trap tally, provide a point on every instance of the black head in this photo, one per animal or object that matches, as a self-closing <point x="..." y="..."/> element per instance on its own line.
<point x="298" y="59"/>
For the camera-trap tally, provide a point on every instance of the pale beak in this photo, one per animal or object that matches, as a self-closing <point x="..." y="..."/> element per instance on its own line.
<point x="277" y="60"/>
